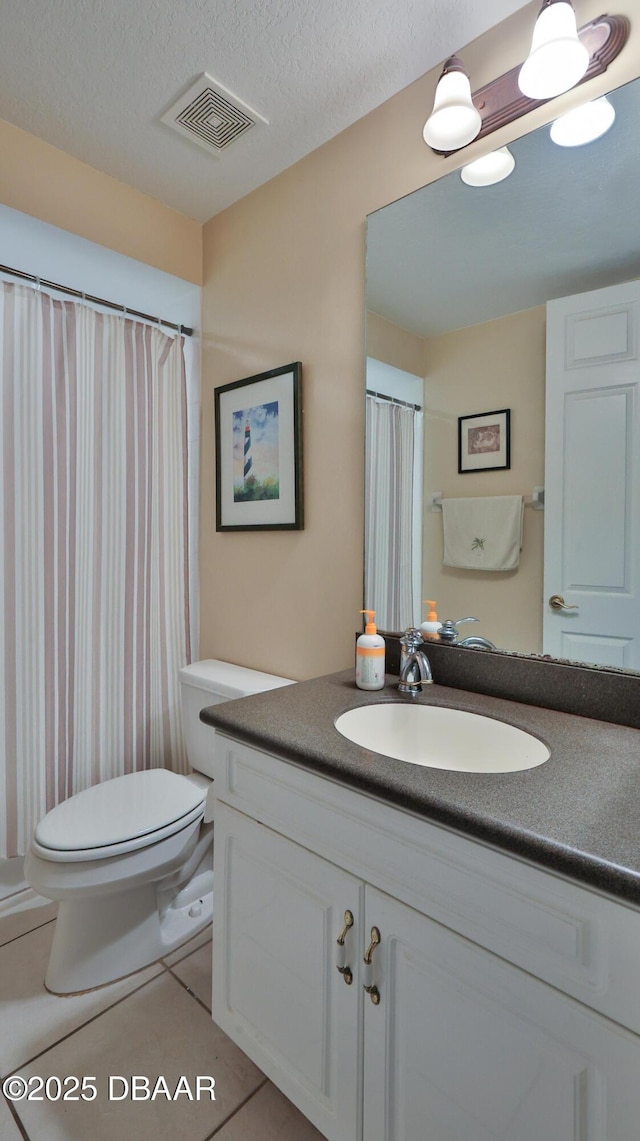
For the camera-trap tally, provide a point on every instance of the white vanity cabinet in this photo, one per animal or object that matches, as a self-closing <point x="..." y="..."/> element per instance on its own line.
<point x="508" y="1003"/>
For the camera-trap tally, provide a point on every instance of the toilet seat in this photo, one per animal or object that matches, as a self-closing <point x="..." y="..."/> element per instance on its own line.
<point x="118" y="816"/>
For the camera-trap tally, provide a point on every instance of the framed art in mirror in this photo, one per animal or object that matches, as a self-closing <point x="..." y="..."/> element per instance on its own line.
<point x="258" y="426"/>
<point x="484" y="441"/>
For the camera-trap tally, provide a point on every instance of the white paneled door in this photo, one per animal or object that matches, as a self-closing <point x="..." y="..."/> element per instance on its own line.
<point x="591" y="600"/>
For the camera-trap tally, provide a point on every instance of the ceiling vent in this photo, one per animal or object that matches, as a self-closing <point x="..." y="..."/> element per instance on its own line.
<point x="211" y="116"/>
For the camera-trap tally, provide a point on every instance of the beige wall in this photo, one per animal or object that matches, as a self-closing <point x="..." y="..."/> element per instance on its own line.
<point x="500" y="364"/>
<point x="46" y="183"/>
<point x="395" y="346"/>
<point x="284" y="280"/>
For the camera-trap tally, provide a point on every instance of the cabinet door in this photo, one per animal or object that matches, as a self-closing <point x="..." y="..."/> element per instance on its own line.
<point x="465" y="1046"/>
<point x="278" y="910"/>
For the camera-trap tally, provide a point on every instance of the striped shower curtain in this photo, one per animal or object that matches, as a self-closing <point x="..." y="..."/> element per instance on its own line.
<point x="389" y="477"/>
<point x="94" y="617"/>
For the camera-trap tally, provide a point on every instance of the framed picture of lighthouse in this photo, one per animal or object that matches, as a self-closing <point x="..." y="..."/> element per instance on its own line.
<point x="259" y="452"/>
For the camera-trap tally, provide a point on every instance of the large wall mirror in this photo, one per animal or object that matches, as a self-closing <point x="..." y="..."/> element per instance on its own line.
<point x="522" y="296"/>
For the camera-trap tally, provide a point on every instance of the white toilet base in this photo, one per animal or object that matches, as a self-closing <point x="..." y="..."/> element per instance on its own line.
<point x="98" y="941"/>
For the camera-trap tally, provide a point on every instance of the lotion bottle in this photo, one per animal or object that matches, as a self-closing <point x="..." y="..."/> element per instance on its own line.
<point x="370" y="656"/>
<point x="430" y="626"/>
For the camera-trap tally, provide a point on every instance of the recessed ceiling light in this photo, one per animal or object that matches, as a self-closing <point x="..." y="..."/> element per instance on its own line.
<point x="488" y="169"/>
<point x="583" y="124"/>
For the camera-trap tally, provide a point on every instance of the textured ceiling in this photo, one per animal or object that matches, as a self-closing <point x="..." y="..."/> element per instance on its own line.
<point x="94" y="77"/>
<point x="565" y="221"/>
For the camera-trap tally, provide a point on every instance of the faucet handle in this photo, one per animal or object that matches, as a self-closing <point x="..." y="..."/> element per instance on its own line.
<point x="411" y="639"/>
<point x="448" y="632"/>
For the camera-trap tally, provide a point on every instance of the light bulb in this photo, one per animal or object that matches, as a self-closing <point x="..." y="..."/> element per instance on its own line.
<point x="583" y="124"/>
<point x="489" y="169"/>
<point x="558" y="59"/>
<point x="454" y="121"/>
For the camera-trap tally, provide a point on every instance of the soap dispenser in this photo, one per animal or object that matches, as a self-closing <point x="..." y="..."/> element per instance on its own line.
<point x="430" y="626"/>
<point x="370" y="656"/>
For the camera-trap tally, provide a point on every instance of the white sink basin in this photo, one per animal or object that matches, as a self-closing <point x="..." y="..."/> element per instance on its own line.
<point x="442" y="738"/>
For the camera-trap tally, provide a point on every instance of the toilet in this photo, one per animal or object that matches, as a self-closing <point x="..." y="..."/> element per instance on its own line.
<point x="131" y="860"/>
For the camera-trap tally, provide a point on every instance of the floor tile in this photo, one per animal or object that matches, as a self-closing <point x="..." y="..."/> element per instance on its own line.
<point x="33" y="1019"/>
<point x="268" y="1116"/>
<point x="189" y="948"/>
<point x="159" y="1030"/>
<point x="11" y="876"/>
<point x="23" y="912"/>
<point x="195" y="972"/>
<point x="8" y="1129"/>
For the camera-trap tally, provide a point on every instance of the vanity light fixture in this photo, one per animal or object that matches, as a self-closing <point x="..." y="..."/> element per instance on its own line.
<point x="558" y="59"/>
<point x="583" y="124"/>
<point x="489" y="169"/>
<point x="454" y="121"/>
<point x="459" y="116"/>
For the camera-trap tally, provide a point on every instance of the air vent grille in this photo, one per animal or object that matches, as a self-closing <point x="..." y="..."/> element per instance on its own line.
<point x="211" y="116"/>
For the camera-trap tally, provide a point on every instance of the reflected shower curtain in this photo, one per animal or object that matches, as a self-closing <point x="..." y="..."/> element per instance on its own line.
<point x="94" y="612"/>
<point x="389" y="475"/>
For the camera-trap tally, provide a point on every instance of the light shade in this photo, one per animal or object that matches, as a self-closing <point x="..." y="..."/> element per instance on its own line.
<point x="557" y="60"/>
<point x="454" y="121"/>
<point x="489" y="169"/>
<point x="583" y="124"/>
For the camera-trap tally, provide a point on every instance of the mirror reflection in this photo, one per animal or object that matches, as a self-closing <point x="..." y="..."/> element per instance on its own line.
<point x="519" y="296"/>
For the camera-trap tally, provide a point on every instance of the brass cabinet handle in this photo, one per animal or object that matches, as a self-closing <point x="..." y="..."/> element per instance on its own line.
<point x="341" y="950"/>
<point x="557" y="602"/>
<point x="369" y="986"/>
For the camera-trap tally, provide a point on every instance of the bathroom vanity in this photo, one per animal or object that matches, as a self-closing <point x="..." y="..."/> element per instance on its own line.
<point x="414" y="953"/>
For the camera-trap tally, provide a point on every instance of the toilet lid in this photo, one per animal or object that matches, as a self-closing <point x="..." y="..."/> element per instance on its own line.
<point x="118" y="810"/>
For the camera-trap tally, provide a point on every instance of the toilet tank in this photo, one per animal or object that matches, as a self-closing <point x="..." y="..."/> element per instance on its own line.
<point x="208" y="683"/>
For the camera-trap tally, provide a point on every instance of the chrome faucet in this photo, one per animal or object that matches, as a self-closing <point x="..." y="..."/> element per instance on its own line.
<point x="415" y="668"/>
<point x="449" y="633"/>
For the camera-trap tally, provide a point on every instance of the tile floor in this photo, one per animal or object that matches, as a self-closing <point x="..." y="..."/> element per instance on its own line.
<point x="155" y="1022"/>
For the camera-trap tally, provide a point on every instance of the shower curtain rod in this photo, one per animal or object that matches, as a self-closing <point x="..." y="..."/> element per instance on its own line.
<point x="38" y="281"/>
<point x="394" y="400"/>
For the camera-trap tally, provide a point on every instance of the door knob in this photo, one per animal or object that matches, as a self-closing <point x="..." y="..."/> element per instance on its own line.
<point x="557" y="602"/>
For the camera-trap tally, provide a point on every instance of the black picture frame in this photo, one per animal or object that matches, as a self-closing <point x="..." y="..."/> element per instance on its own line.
<point x="484" y="441"/>
<point x="258" y="434"/>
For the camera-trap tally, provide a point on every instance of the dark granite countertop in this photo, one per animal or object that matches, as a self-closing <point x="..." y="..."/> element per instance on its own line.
<point x="578" y="814"/>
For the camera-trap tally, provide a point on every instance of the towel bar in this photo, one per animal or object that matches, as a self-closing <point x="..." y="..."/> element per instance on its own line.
<point x="536" y="500"/>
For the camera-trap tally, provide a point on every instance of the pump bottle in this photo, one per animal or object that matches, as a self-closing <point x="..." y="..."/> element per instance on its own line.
<point x="370" y="656"/>
<point x="430" y="626"/>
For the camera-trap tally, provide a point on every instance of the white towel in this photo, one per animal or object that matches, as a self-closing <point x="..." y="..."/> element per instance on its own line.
<point x="483" y="533"/>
